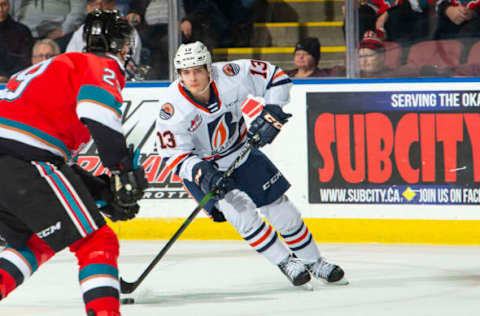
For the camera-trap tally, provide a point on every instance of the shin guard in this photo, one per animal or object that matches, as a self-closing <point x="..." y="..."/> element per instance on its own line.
<point x="285" y="217"/>
<point x="18" y="264"/>
<point x="240" y="211"/>
<point x="97" y="256"/>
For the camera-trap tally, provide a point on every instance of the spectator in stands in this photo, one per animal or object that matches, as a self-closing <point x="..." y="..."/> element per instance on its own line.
<point x="372" y="56"/>
<point x="395" y="20"/>
<point x="44" y="49"/>
<point x="240" y="17"/>
<point x="50" y="18"/>
<point x="76" y="43"/>
<point x="218" y="23"/>
<point x="457" y="19"/>
<point x="15" y="44"/>
<point x="123" y="6"/>
<point x="134" y="10"/>
<point x="154" y="33"/>
<point x="306" y="58"/>
<point x="205" y="22"/>
<point x="372" y="61"/>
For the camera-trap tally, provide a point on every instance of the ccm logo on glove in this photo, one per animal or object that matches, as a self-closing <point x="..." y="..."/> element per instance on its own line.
<point x="197" y="177"/>
<point x="273" y="121"/>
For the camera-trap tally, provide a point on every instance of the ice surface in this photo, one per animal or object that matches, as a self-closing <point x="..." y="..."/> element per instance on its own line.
<point x="227" y="278"/>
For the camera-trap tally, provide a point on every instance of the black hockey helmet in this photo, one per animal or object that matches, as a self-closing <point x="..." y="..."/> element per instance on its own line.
<point x="106" y="31"/>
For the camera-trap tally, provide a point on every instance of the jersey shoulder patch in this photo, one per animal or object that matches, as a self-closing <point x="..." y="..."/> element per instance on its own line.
<point x="231" y="69"/>
<point x="166" y="111"/>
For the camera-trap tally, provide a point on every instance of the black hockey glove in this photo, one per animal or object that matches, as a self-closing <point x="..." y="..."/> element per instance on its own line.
<point x="117" y="213"/>
<point x="128" y="183"/>
<point x="208" y="178"/>
<point x="267" y="124"/>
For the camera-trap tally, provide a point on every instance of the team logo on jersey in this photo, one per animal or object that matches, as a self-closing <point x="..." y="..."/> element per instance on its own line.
<point x="221" y="130"/>
<point x="195" y="123"/>
<point x="166" y="111"/>
<point x="220" y="135"/>
<point x="231" y="69"/>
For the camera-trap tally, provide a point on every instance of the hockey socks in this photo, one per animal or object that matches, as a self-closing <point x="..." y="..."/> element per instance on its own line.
<point x="264" y="239"/>
<point x="98" y="274"/>
<point x="240" y="211"/>
<point x="300" y="241"/>
<point x="18" y="264"/>
<point x="286" y="218"/>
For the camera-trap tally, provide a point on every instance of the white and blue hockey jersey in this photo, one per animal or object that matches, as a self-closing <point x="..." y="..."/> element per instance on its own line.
<point x="188" y="132"/>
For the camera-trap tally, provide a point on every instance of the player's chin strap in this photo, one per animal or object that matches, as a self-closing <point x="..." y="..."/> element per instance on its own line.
<point x="208" y="85"/>
<point x="135" y="72"/>
<point x="129" y="287"/>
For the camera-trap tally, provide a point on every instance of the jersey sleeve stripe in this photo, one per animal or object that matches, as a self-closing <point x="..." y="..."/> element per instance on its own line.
<point x="51" y="143"/>
<point x="281" y="73"/>
<point x="271" y="79"/>
<point x="93" y="102"/>
<point x="99" y="113"/>
<point x="280" y="83"/>
<point x="279" y="78"/>
<point x="99" y="96"/>
<point x="171" y="166"/>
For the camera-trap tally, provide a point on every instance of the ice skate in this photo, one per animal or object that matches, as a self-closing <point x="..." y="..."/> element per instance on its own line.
<point x="294" y="270"/>
<point x="328" y="272"/>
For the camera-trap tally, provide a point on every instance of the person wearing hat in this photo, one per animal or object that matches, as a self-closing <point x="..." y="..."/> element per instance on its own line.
<point x="372" y="56"/>
<point x="372" y="61"/>
<point x="306" y="58"/>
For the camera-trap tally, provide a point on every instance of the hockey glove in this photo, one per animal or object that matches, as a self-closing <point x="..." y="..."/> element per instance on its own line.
<point x="267" y="125"/>
<point x="128" y="183"/>
<point x="208" y="178"/>
<point x="117" y="213"/>
<point x="99" y="187"/>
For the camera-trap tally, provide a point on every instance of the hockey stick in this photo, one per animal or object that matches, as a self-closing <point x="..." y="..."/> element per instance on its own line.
<point x="129" y="287"/>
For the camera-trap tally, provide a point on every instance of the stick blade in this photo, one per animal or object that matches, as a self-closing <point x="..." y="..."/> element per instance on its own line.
<point x="127" y="287"/>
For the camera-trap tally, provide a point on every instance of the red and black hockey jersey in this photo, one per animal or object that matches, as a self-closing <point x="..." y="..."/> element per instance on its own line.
<point x="45" y="106"/>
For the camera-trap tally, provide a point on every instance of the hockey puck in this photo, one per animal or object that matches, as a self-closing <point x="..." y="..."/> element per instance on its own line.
<point x="127" y="301"/>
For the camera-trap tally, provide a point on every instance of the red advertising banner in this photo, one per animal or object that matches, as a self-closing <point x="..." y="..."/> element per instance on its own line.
<point x="394" y="147"/>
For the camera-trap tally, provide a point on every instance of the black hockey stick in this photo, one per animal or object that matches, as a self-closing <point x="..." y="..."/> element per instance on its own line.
<point x="129" y="287"/>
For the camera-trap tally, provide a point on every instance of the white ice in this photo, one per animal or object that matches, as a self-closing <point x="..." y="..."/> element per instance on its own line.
<point x="227" y="278"/>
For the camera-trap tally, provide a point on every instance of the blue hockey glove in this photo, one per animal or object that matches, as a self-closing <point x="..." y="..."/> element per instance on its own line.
<point x="267" y="124"/>
<point x="128" y="183"/>
<point x="208" y="178"/>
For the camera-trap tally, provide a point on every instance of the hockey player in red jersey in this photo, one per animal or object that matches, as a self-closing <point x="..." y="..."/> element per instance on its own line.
<point x="48" y="113"/>
<point x="201" y="131"/>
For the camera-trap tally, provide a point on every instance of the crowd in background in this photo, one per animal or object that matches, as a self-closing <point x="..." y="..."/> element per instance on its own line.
<point x="34" y="30"/>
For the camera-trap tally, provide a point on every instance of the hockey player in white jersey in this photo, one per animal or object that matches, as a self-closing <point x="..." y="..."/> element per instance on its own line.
<point x="201" y="130"/>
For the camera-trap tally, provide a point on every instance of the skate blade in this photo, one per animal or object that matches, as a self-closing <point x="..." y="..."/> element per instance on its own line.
<point x="307" y="287"/>
<point x="342" y="281"/>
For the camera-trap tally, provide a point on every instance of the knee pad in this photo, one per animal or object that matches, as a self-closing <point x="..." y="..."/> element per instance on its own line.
<point x="102" y="246"/>
<point x="240" y="211"/>
<point x="283" y="215"/>
<point x="40" y="248"/>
